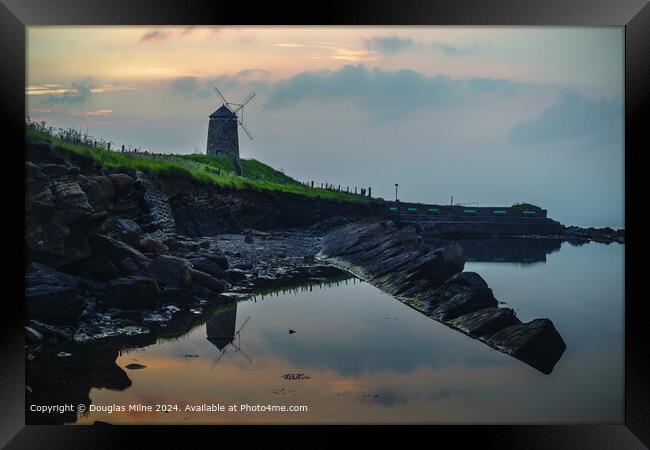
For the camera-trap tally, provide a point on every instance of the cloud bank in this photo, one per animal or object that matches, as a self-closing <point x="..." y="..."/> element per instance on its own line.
<point x="383" y="93"/>
<point x="572" y="117"/>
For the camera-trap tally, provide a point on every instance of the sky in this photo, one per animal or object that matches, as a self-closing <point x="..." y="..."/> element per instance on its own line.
<point x="488" y="115"/>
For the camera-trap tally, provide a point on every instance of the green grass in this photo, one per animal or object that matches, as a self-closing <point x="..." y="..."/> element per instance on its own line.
<point x="203" y="168"/>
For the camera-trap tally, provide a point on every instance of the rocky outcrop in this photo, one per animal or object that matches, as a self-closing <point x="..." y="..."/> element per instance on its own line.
<point x="95" y="246"/>
<point x="58" y="216"/>
<point x="431" y="280"/>
<point x="605" y="235"/>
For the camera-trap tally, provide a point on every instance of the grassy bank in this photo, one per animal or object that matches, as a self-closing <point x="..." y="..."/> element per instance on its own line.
<point x="209" y="169"/>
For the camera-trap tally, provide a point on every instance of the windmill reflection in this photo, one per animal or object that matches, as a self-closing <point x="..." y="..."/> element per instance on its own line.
<point x="222" y="333"/>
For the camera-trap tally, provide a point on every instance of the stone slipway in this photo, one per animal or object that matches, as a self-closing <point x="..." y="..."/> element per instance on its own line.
<point x="432" y="281"/>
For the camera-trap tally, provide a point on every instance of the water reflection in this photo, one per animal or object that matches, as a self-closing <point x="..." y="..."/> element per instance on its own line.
<point x="503" y="250"/>
<point x="220" y="328"/>
<point x="371" y="359"/>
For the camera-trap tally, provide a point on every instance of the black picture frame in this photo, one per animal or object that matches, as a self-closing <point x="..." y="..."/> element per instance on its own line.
<point x="15" y="15"/>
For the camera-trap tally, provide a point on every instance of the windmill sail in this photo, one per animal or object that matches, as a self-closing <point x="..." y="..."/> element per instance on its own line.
<point x="223" y="127"/>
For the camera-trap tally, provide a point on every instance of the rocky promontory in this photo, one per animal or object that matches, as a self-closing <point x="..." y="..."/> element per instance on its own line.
<point x="432" y="281"/>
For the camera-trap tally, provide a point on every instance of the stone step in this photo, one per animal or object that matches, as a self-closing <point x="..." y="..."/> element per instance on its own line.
<point x="158" y="203"/>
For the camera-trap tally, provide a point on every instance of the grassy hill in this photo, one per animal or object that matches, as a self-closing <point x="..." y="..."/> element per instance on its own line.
<point x="209" y="169"/>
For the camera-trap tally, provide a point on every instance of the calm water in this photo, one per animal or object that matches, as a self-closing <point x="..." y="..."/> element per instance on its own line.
<point x="371" y="359"/>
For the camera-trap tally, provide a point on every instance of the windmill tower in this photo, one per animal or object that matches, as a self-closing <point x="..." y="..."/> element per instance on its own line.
<point x="223" y="137"/>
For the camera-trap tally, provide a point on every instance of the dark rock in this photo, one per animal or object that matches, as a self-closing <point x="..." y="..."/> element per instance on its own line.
<point x="59" y="170"/>
<point x="204" y="244"/>
<point x="154" y="245"/>
<point x="171" y="270"/>
<point x="100" y="268"/>
<point x="465" y="302"/>
<point x="57" y="219"/>
<point x="469" y="279"/>
<point x="391" y="258"/>
<point x="99" y="190"/>
<point x="128" y="231"/>
<point x="235" y="274"/>
<point x="128" y="267"/>
<point x="72" y="200"/>
<point x="132" y="292"/>
<point x="116" y="250"/>
<point x="203" y="279"/>
<point x="537" y="343"/>
<point x="208" y="266"/>
<point x="41" y="274"/>
<point x="90" y="223"/>
<point x="248" y="238"/>
<point x="485" y="321"/>
<point x="121" y="182"/>
<point x="173" y="244"/>
<point x="52" y="296"/>
<point x="59" y="333"/>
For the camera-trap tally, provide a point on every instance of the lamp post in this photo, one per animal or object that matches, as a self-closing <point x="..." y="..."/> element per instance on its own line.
<point x="397" y="203"/>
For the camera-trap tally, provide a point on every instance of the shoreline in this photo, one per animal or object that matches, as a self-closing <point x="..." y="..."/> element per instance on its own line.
<point x="116" y="261"/>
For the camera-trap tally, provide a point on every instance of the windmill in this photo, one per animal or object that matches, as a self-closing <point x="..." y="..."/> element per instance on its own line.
<point x="223" y="138"/>
<point x="232" y="347"/>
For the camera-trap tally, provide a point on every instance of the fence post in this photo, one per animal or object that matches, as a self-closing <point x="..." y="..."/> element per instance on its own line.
<point x="369" y="191"/>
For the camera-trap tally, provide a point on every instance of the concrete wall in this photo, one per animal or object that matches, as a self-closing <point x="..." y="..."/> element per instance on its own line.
<point x="223" y="138"/>
<point x="446" y="212"/>
<point x="474" y="220"/>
